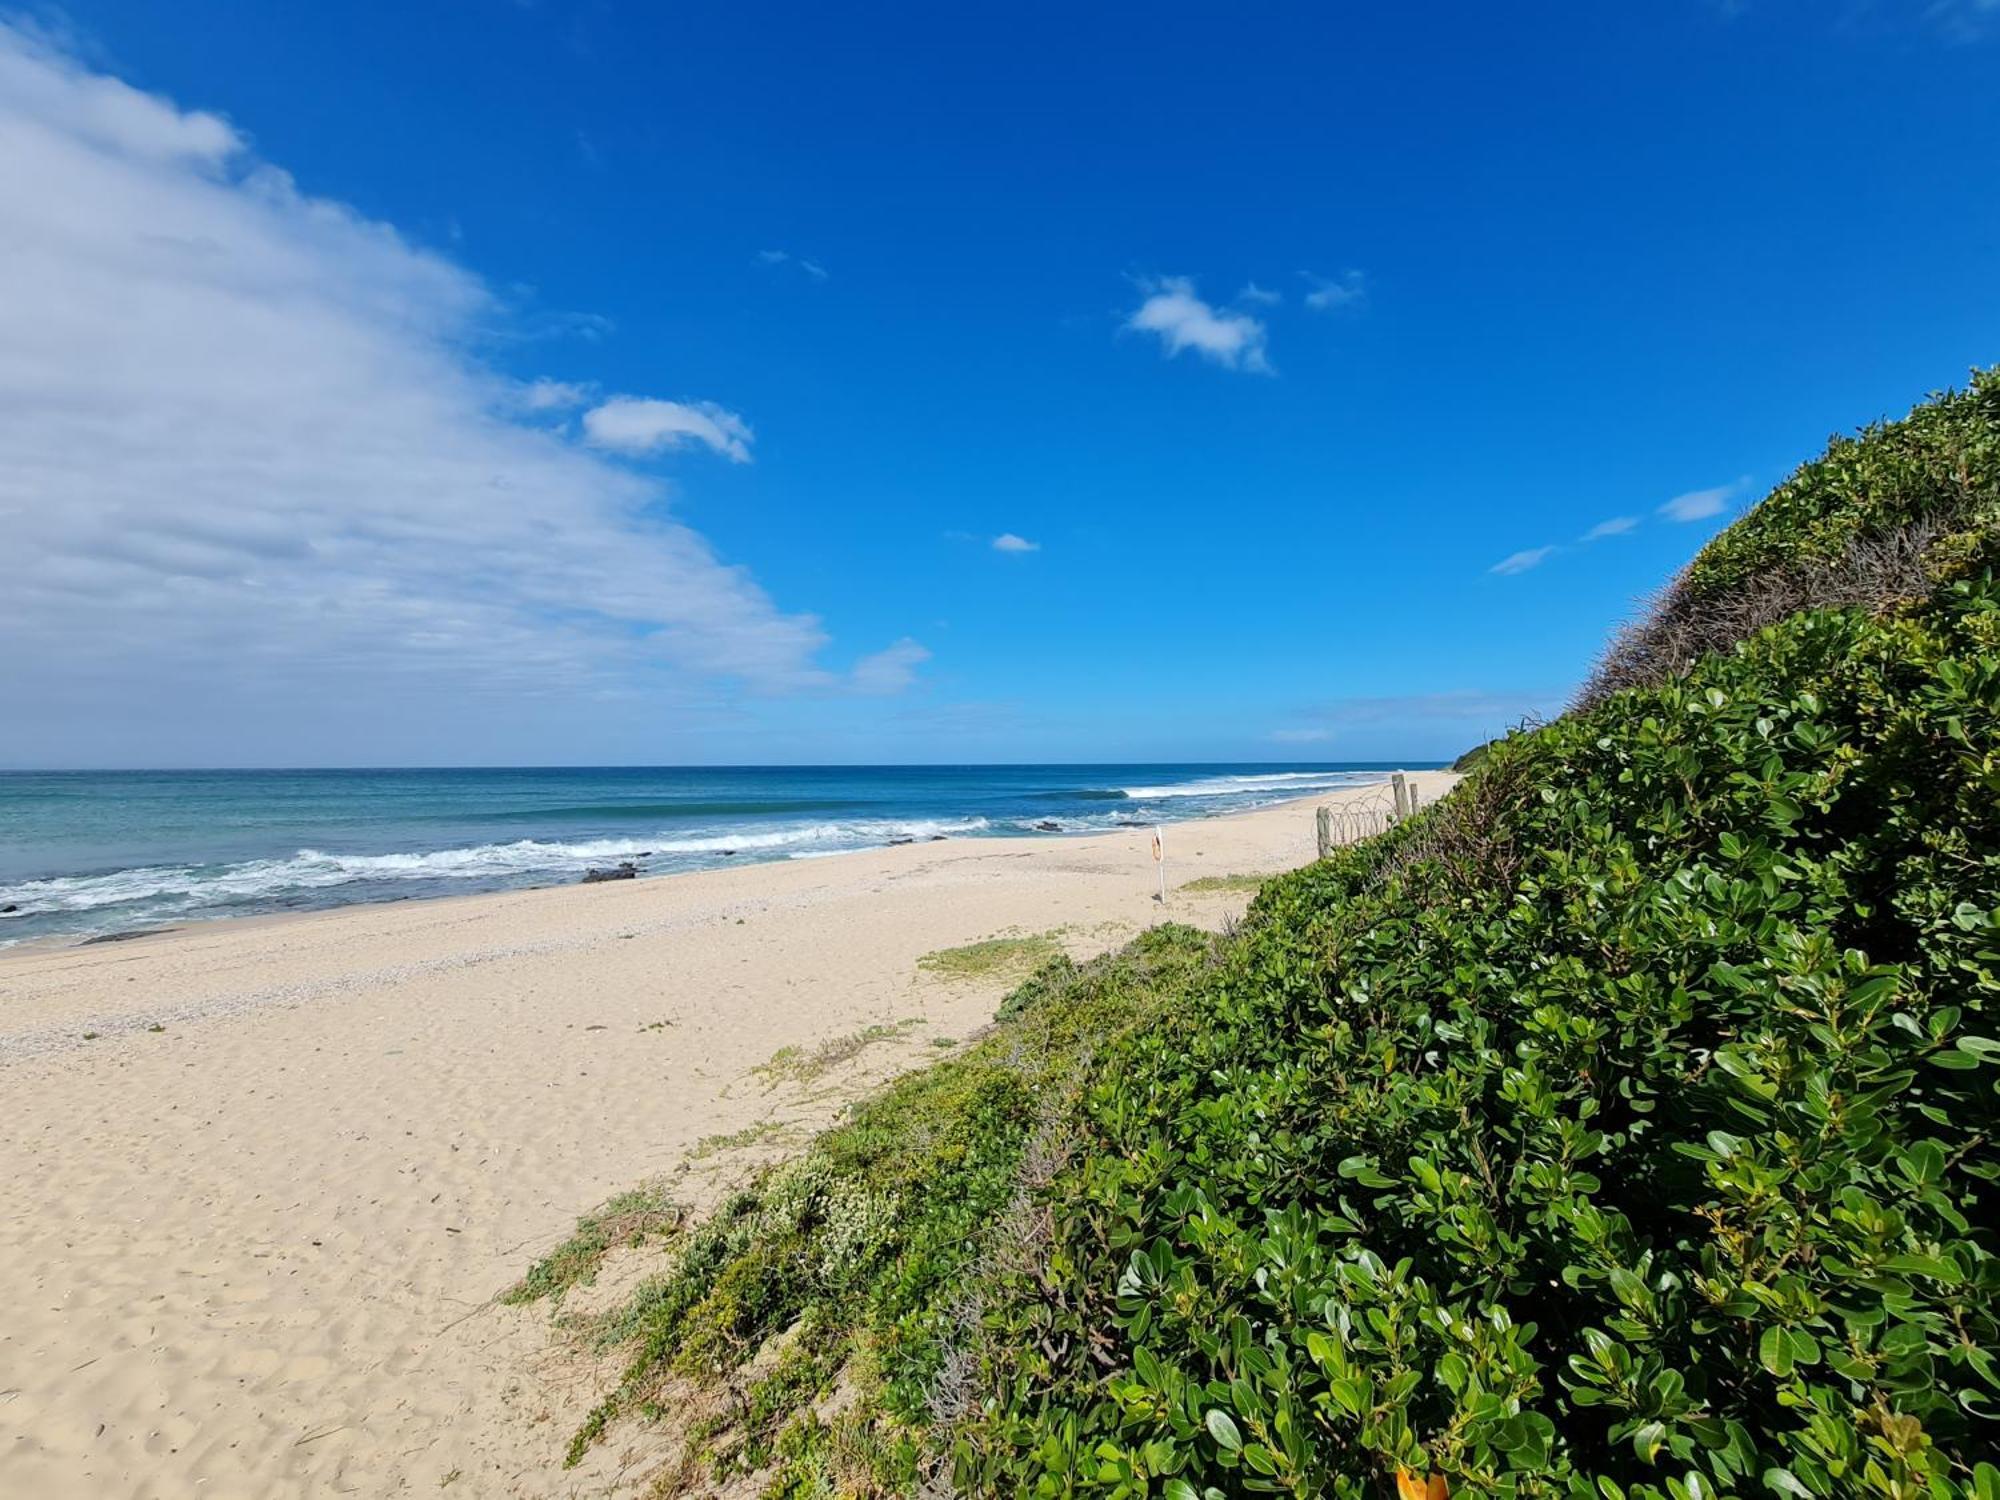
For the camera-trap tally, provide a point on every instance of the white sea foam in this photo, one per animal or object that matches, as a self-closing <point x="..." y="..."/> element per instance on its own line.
<point x="1249" y="786"/>
<point x="165" y="889"/>
<point x="119" y="900"/>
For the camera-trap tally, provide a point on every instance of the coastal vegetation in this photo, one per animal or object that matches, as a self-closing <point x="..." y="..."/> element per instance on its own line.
<point x="1623" y="1125"/>
<point x="797" y="1065"/>
<point x="1208" y="885"/>
<point x="1001" y="957"/>
<point x="1472" y="757"/>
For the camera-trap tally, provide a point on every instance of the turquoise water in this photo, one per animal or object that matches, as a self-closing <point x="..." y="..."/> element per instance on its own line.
<point x="93" y="853"/>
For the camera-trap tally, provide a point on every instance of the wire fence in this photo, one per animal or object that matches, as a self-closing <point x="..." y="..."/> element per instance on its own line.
<point x="1355" y="818"/>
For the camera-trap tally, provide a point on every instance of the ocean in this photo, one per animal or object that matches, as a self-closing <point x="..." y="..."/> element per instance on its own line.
<point x="102" y="853"/>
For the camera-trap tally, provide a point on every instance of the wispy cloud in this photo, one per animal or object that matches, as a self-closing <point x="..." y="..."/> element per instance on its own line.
<point x="1699" y="505"/>
<point x="1696" y="505"/>
<point x="811" y="268"/>
<point x="1008" y="542"/>
<point x="889" y="670"/>
<point x="1259" y="295"/>
<point x="1964" y="20"/>
<point x="554" y="395"/>
<point x="1959" y="22"/>
<point x="1348" y="289"/>
<point x="1616" y="526"/>
<point x="254" y="482"/>
<point x="534" y="324"/>
<point x="639" y="425"/>
<point x="1177" y="315"/>
<point x="1522" y="561"/>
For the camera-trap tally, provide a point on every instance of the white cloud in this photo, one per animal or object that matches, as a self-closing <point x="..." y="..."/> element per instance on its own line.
<point x="1699" y="505"/>
<point x="258" y="501"/>
<point x="1520" y="562"/>
<point x="1262" y="296"/>
<point x="106" y="114"/>
<point x="639" y="425"/>
<point x="1616" y="526"/>
<point x="1172" y="310"/>
<point x="889" y="670"/>
<point x="555" y="323"/>
<point x="1008" y="542"/>
<point x="1348" y="289"/>
<point x="811" y="268"/>
<point x="553" y="395"/>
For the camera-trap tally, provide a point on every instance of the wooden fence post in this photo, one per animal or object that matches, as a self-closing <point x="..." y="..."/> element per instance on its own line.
<point x="1400" y="785"/>
<point x="1323" y="817"/>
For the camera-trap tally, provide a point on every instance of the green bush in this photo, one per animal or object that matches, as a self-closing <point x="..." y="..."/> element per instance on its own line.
<point x="1939" y="466"/>
<point x="1623" y="1125"/>
<point x="1875" y="522"/>
<point x="1664" y="1167"/>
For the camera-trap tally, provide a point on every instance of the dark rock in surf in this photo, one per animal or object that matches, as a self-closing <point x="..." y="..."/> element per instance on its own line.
<point x="624" y="870"/>
<point x="1046" y="826"/>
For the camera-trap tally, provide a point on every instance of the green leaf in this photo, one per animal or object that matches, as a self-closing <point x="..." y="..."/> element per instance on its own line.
<point x="1222" y="1427"/>
<point x="1925" y="1265"/>
<point x="1774" y="1352"/>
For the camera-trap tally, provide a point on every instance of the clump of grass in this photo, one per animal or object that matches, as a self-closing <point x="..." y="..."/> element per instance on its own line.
<point x="1218" y="884"/>
<point x="628" y="1219"/>
<point x="797" y="1065"/>
<point x="995" y="958"/>
<point x="750" y="1135"/>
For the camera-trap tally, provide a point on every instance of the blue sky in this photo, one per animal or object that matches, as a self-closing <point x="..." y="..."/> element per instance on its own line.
<point x="591" y="382"/>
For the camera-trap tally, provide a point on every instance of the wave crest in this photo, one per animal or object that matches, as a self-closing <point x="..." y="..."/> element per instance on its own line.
<point x="183" y="888"/>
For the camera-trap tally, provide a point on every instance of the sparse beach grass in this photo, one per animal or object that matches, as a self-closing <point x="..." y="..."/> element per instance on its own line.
<point x="797" y="1065"/>
<point x="628" y="1219"/>
<point x="777" y="1326"/>
<point x="1005" y="957"/>
<point x="737" y="1140"/>
<point x="1209" y="885"/>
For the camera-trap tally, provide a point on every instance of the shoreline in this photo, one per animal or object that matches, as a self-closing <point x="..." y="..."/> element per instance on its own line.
<point x="60" y="942"/>
<point x="256" y="1222"/>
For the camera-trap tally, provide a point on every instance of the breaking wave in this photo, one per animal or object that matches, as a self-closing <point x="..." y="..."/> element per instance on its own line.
<point x="164" y="890"/>
<point x="1283" y="783"/>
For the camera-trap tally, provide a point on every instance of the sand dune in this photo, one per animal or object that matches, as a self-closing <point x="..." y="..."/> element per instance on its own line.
<point x="250" y="1229"/>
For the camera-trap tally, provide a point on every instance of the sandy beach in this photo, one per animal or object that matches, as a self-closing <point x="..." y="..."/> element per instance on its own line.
<point x="262" y="1179"/>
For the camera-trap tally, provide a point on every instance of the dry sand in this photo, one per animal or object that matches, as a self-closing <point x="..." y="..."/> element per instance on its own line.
<point x="252" y="1253"/>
